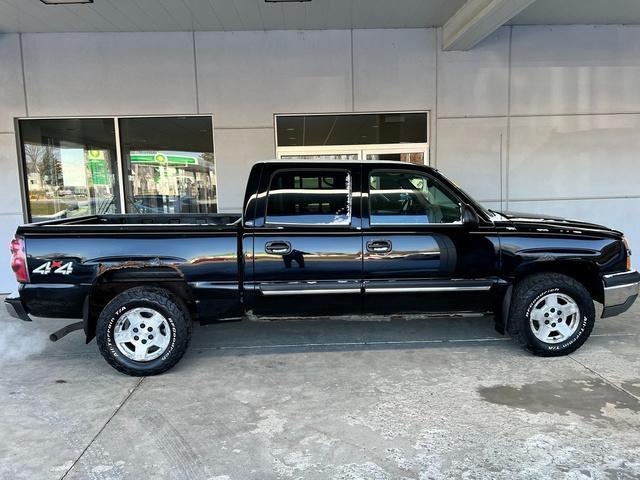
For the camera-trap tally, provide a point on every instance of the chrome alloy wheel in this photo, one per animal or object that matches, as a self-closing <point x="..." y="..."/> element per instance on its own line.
<point x="142" y="334"/>
<point x="554" y="318"/>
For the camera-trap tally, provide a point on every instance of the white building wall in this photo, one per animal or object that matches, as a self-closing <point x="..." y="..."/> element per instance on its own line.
<point x="394" y="70"/>
<point x="75" y="74"/>
<point x="562" y="129"/>
<point x="545" y="119"/>
<point x="246" y="77"/>
<point x="12" y="104"/>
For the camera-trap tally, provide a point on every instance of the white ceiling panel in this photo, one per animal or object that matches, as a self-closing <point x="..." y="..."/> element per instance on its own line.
<point x="295" y="16"/>
<point x="204" y="14"/>
<point x="183" y="15"/>
<point x="113" y="12"/>
<point x="215" y="15"/>
<point x="580" y="12"/>
<point x="249" y="14"/>
<point x="272" y="15"/>
<point x="146" y="12"/>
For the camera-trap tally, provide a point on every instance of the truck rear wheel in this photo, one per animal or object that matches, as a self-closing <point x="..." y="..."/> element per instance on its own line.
<point x="143" y="331"/>
<point x="551" y="314"/>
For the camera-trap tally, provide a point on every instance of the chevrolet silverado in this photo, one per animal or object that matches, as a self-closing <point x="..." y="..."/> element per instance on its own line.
<point x="320" y="238"/>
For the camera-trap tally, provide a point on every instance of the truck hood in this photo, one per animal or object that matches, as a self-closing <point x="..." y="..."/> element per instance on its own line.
<point x="538" y="220"/>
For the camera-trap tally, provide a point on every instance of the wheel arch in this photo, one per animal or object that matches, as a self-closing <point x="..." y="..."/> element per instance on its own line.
<point x="112" y="282"/>
<point x="583" y="272"/>
<point x="586" y="273"/>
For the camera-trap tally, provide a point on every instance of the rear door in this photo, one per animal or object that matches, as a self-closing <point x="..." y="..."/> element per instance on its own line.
<point x="307" y="245"/>
<point x="418" y="254"/>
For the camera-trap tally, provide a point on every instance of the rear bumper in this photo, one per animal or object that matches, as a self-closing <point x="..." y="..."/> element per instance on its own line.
<point x="620" y="291"/>
<point x="15" y="308"/>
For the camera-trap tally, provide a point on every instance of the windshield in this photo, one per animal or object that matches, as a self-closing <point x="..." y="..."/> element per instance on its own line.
<point x="469" y="199"/>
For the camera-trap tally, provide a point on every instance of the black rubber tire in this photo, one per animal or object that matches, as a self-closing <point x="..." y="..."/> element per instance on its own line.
<point x="159" y="299"/>
<point x="526" y="295"/>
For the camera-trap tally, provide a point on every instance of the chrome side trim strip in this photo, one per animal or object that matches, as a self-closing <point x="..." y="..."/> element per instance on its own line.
<point x="311" y="291"/>
<point x="477" y="288"/>
<point x="216" y="285"/>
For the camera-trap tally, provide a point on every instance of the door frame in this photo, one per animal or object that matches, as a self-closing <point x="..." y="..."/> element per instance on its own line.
<point x="306" y="296"/>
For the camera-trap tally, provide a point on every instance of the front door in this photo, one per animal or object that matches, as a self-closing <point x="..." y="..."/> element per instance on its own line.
<point x="307" y="257"/>
<point x="418" y="254"/>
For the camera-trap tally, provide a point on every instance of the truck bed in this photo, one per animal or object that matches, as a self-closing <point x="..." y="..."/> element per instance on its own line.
<point x="200" y="250"/>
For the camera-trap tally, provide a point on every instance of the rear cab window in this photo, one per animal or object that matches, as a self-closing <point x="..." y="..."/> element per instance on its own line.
<point x="309" y="197"/>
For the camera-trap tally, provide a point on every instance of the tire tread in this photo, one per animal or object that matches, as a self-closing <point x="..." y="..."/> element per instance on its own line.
<point x="539" y="282"/>
<point x="158" y="295"/>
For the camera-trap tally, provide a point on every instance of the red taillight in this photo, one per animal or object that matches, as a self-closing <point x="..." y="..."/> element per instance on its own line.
<point x="19" y="260"/>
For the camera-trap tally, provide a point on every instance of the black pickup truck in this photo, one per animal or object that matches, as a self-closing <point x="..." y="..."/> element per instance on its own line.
<point x="330" y="238"/>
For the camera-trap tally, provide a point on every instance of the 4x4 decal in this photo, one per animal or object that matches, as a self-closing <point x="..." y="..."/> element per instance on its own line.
<point x="55" y="266"/>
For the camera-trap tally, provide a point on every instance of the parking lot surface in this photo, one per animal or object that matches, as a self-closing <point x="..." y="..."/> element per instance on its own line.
<point x="324" y="399"/>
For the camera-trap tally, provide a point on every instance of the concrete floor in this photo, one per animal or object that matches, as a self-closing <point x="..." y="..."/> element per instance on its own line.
<point x="401" y="399"/>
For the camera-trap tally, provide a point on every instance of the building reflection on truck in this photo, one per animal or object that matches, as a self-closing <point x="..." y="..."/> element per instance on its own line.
<point x="294" y="256"/>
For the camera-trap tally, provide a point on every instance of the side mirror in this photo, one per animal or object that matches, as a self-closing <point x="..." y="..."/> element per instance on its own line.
<point x="469" y="216"/>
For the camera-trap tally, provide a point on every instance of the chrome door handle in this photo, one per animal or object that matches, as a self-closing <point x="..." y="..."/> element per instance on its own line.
<point x="277" y="247"/>
<point x="379" y="246"/>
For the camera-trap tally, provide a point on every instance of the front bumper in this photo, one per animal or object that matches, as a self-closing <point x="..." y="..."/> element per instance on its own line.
<point x="15" y="308"/>
<point x="620" y="291"/>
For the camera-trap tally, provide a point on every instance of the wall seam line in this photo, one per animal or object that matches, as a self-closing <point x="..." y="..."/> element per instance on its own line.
<point x="508" y="144"/>
<point x="434" y="144"/>
<point x="501" y="137"/>
<point x="24" y="77"/>
<point x="195" y="71"/>
<point x="353" y="81"/>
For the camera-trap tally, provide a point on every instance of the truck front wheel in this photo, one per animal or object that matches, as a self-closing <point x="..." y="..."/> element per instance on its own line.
<point x="551" y="314"/>
<point x="143" y="331"/>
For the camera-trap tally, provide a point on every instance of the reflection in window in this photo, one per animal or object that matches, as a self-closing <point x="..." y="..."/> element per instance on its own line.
<point x="407" y="197"/>
<point x="352" y="129"/>
<point x="320" y="156"/>
<point x="309" y="197"/>
<point x="416" y="158"/>
<point x="70" y="166"/>
<point x="170" y="164"/>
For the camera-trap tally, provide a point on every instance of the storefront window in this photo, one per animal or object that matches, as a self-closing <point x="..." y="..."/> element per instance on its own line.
<point x="169" y="164"/>
<point x="73" y="166"/>
<point x="352" y="129"/>
<point x="70" y="167"/>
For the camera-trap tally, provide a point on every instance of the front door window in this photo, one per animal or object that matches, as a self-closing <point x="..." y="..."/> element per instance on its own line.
<point x="397" y="197"/>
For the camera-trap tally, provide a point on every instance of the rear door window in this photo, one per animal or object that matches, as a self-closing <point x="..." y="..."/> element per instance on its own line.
<point x="309" y="197"/>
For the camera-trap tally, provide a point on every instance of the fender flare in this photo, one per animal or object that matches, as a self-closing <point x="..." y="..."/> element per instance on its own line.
<point x="128" y="276"/>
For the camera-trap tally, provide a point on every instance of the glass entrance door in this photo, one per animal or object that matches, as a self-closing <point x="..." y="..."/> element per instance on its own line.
<point x="417" y="154"/>
<point x="323" y="153"/>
